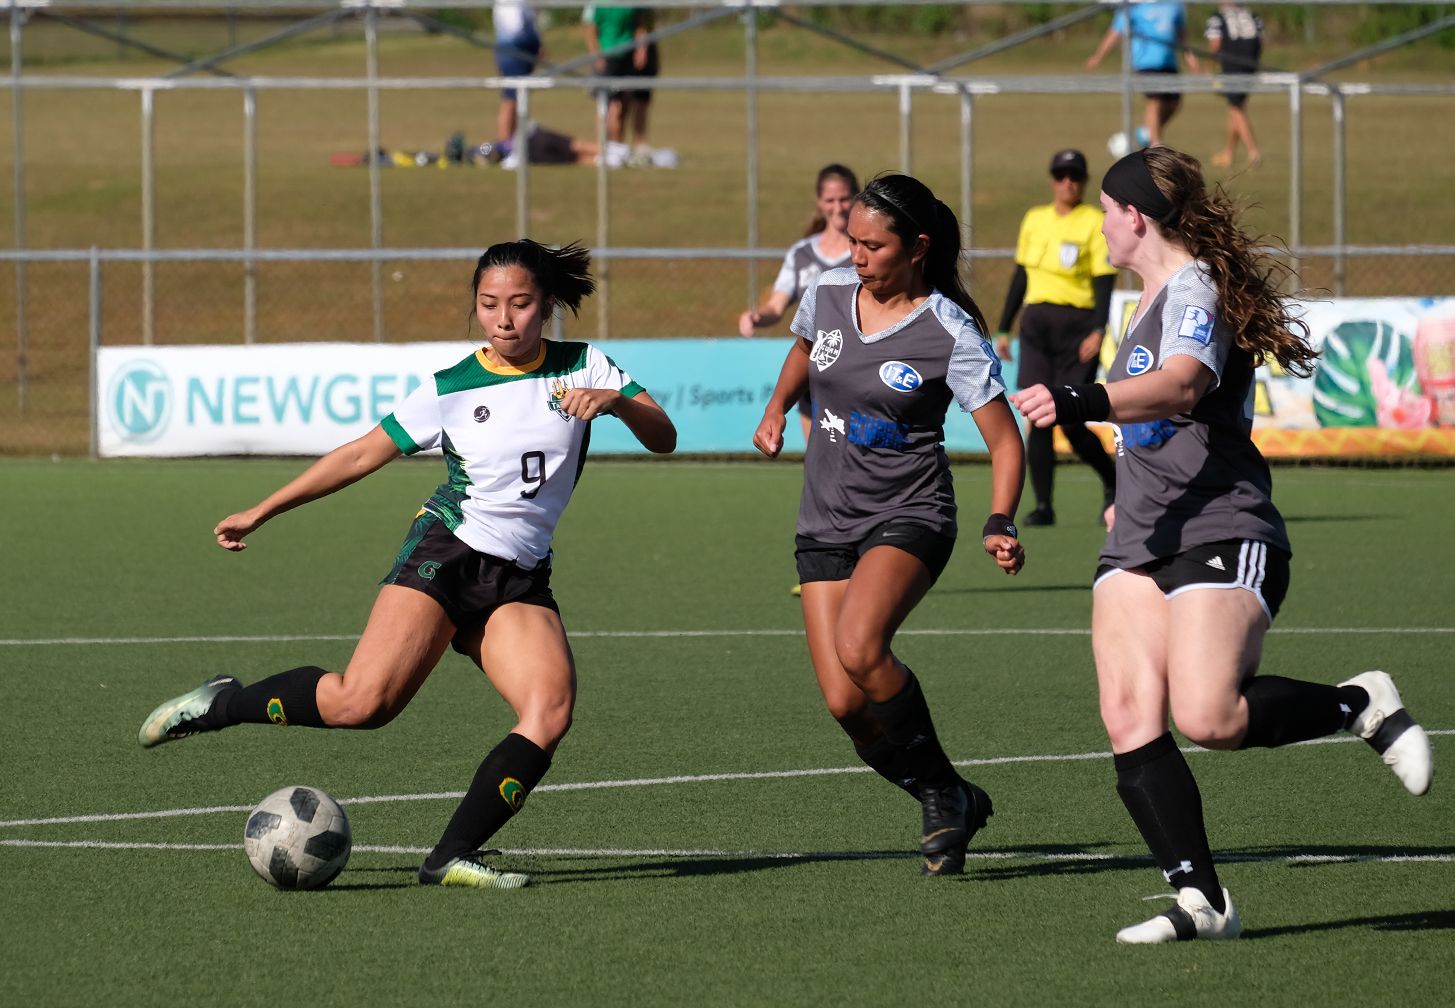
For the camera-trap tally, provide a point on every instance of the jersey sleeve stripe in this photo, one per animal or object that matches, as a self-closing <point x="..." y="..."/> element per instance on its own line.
<point x="398" y="435"/>
<point x="632" y="390"/>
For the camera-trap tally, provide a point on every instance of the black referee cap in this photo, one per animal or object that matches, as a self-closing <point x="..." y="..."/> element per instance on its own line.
<point x="1069" y="160"/>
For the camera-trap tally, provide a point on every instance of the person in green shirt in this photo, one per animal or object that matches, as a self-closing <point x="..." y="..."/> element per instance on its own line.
<point x="609" y="30"/>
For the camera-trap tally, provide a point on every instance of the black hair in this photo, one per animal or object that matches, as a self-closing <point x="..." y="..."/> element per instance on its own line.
<point x="563" y="274"/>
<point x="830" y="171"/>
<point x="914" y="210"/>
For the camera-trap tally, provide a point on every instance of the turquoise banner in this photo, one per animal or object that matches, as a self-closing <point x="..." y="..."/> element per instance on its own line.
<point x="716" y="391"/>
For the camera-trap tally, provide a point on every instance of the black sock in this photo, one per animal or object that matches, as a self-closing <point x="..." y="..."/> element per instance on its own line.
<point x="499" y="789"/>
<point x="288" y="698"/>
<point x="1158" y="789"/>
<point x="906" y="723"/>
<point x="888" y="761"/>
<point x="1041" y="463"/>
<point x="1282" y="710"/>
<point x="1088" y="448"/>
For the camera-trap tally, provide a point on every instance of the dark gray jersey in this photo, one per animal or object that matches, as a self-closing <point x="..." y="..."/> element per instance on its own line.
<point x="879" y="407"/>
<point x="1195" y="478"/>
<point x="802" y="266"/>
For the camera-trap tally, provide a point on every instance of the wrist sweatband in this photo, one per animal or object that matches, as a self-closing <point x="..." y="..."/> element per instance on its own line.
<point x="998" y="524"/>
<point x="1080" y="403"/>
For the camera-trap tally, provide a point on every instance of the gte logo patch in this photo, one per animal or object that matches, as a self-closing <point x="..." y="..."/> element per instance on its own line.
<point x="1139" y="361"/>
<point x="826" y="348"/>
<point x="140" y="401"/>
<point x="900" y="376"/>
<point x="513" y="791"/>
<point x="275" y="712"/>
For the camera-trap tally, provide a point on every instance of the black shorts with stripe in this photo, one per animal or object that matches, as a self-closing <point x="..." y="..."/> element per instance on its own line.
<point x="1233" y="563"/>
<point x="468" y="585"/>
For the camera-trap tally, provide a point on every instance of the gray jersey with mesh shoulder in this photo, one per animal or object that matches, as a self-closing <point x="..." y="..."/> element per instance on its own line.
<point x="879" y="408"/>
<point x="1194" y="478"/>
<point x="802" y="266"/>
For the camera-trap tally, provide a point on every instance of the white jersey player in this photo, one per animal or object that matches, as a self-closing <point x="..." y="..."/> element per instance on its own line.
<point x="513" y="420"/>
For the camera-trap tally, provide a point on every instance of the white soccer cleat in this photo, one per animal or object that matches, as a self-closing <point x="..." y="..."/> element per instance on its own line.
<point x="1192" y="917"/>
<point x="1388" y="727"/>
<point x="177" y="718"/>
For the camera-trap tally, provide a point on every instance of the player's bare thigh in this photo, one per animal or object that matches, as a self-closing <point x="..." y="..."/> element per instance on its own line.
<point x="523" y="650"/>
<point x="1214" y="650"/>
<point x="1129" y="639"/>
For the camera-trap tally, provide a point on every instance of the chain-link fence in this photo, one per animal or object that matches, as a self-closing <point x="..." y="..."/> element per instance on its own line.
<point x="219" y="216"/>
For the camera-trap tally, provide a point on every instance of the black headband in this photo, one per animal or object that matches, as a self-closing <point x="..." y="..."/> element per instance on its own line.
<point x="1129" y="182"/>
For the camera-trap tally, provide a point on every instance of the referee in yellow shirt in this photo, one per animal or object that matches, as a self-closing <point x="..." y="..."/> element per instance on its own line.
<point x="1064" y="280"/>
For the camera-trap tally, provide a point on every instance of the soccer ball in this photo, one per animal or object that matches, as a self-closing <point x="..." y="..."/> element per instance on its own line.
<point x="298" y="838"/>
<point x="1118" y="145"/>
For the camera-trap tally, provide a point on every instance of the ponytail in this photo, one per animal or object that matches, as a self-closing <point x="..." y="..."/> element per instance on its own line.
<point x="914" y="210"/>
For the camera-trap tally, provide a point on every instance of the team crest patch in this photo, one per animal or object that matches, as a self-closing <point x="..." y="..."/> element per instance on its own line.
<point x="826" y="348"/>
<point x="557" y="389"/>
<point x="1197" y="324"/>
<point x="513" y="792"/>
<point x="1070" y="252"/>
<point x="899" y="376"/>
<point x="1139" y="361"/>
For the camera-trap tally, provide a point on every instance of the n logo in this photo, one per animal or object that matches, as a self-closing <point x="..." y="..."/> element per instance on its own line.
<point x="140" y="401"/>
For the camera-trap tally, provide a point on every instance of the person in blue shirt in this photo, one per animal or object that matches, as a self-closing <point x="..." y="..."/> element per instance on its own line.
<point x="1156" y="38"/>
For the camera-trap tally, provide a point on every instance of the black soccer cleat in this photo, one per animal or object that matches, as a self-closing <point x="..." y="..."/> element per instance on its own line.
<point x="1040" y="516"/>
<point x="948" y="854"/>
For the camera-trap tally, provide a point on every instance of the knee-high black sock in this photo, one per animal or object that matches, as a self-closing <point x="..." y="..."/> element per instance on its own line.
<point x="889" y="761"/>
<point x="499" y="789"/>
<point x="1282" y="710"/>
<point x="905" y="720"/>
<point x="1089" y="450"/>
<point x="1158" y="789"/>
<point x="288" y="698"/>
<point x="1041" y="462"/>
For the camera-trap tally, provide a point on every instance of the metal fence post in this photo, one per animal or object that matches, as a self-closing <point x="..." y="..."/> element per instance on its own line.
<point x="967" y="160"/>
<point x="148" y="216"/>
<point x="376" y="212"/>
<point x="906" y="111"/>
<point x="250" y="223"/>
<point x="521" y="151"/>
<point x="1340" y="259"/>
<point x="1295" y="173"/>
<point x="95" y="339"/>
<point x="750" y="90"/>
<point x="603" y="220"/>
<point x="17" y="126"/>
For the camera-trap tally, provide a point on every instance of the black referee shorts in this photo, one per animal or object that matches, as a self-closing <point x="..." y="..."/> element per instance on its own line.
<point x="467" y="584"/>
<point x="1051" y="336"/>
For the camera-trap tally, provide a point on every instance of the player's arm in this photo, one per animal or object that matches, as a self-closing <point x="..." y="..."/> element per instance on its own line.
<point x="769" y="313"/>
<point x="1002" y="435"/>
<point x="792" y="383"/>
<point x="1014" y="298"/>
<point x="1107" y="41"/>
<point x="346" y="464"/>
<point x="642" y="414"/>
<point x="1173" y="388"/>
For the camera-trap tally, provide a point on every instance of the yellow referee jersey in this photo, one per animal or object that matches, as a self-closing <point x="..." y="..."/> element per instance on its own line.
<point x="1062" y="254"/>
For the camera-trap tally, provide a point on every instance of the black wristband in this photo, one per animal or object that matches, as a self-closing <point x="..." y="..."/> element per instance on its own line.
<point x="1080" y="403"/>
<point x="998" y="524"/>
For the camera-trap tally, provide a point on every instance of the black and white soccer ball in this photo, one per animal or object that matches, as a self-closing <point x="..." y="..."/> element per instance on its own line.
<point x="298" y="838"/>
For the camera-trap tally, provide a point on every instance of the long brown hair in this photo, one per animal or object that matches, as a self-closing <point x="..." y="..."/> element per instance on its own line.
<point x="1206" y="224"/>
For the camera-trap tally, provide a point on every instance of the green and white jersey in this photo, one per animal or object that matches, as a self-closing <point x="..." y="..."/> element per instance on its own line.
<point x="512" y="455"/>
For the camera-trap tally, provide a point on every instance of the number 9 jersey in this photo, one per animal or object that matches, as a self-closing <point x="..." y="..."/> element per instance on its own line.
<point x="512" y="454"/>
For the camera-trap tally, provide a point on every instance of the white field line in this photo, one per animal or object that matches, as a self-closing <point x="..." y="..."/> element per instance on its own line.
<point x="587" y="853"/>
<point x="635" y="782"/>
<point x="639" y="634"/>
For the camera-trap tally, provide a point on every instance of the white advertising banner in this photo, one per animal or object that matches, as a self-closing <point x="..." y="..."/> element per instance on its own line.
<point x="269" y="399"/>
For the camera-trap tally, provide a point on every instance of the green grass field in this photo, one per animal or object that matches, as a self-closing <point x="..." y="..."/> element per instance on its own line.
<point x="703" y="836"/>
